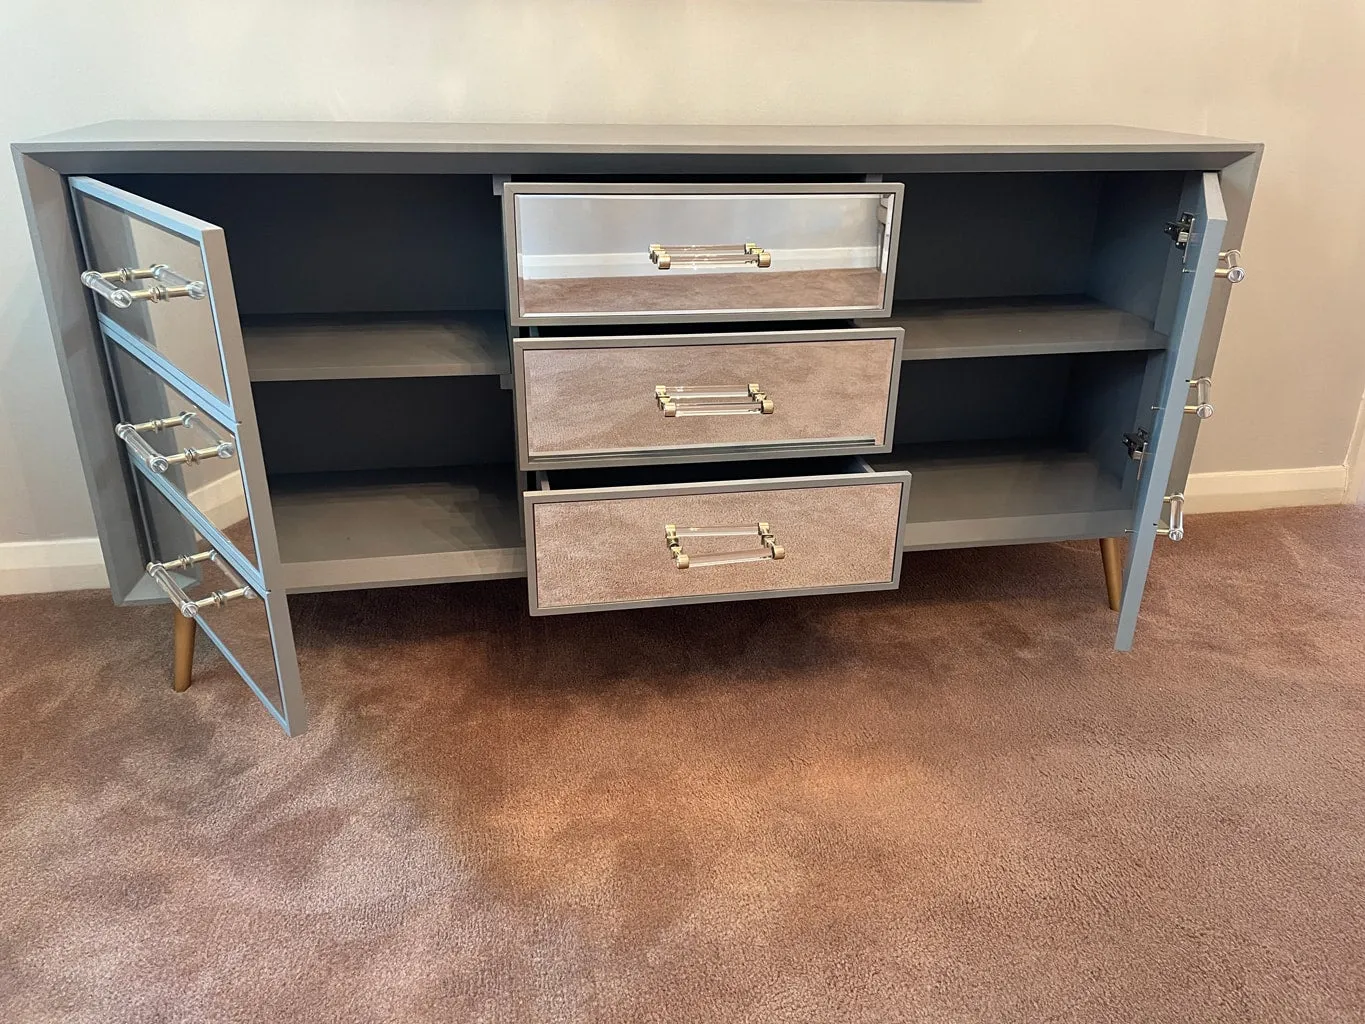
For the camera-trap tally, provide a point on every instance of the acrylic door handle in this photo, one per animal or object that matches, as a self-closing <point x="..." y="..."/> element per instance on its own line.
<point x="131" y="435"/>
<point x="1202" y="408"/>
<point x="768" y="549"/>
<point x="1176" y="529"/>
<point x="737" y="254"/>
<point x="160" y="572"/>
<point x="1234" y="272"/>
<point x="692" y="400"/>
<point x="164" y="284"/>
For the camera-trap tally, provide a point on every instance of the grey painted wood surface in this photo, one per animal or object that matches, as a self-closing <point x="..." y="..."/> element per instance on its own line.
<point x="342" y="531"/>
<point x="84" y="376"/>
<point x="310" y="426"/>
<point x="1017" y="327"/>
<point x="413" y="243"/>
<point x="529" y="150"/>
<point x="341" y="348"/>
<point x="527" y="137"/>
<point x="1237" y="183"/>
<point x="1203" y="199"/>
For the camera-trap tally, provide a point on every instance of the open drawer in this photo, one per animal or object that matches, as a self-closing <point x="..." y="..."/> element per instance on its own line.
<point x="583" y="253"/>
<point x="653" y="535"/>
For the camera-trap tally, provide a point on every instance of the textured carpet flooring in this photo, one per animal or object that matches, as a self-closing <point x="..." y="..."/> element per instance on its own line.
<point x="949" y="803"/>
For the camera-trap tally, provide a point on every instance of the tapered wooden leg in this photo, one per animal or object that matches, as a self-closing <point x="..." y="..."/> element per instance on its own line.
<point x="1113" y="570"/>
<point x="184" y="652"/>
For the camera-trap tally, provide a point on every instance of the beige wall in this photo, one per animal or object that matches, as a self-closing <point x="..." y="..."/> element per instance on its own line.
<point x="1292" y="369"/>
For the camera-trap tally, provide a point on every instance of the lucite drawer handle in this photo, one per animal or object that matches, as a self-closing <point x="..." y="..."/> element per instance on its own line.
<point x="749" y="400"/>
<point x="165" y="284"/>
<point x="131" y="434"/>
<point x="160" y="572"/>
<point x="737" y="255"/>
<point x="768" y="549"/>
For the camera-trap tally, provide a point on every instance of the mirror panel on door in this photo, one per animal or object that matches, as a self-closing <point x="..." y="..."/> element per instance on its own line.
<point x="147" y="268"/>
<point x="174" y="437"/>
<point x="251" y="628"/>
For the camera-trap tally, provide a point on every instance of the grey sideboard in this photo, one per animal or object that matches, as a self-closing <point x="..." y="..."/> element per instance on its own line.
<point x="636" y="365"/>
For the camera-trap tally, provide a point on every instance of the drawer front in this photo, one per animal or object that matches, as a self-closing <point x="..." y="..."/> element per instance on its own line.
<point x="593" y="253"/>
<point x="677" y="397"/>
<point x="248" y="625"/>
<point x="161" y="277"/>
<point x="197" y="456"/>
<point x="613" y="548"/>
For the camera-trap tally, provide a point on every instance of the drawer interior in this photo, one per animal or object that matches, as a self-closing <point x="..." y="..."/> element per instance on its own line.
<point x="696" y="473"/>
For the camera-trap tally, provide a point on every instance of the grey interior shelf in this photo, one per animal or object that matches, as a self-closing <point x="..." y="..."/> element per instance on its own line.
<point x="339" y="531"/>
<point x="1010" y="492"/>
<point x="455" y="344"/>
<point x="1020" y="327"/>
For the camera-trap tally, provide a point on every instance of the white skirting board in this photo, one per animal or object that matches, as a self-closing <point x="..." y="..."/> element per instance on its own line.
<point x="1250" y="490"/>
<point x="41" y="566"/>
<point x="76" y="563"/>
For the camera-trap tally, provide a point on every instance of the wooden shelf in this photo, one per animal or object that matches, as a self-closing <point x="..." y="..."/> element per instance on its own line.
<point x="964" y="495"/>
<point x="1022" y="327"/>
<point x="448" y="345"/>
<point x="339" y="531"/>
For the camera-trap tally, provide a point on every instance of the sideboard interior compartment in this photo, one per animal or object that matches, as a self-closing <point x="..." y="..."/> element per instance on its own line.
<point x="996" y="236"/>
<point x="335" y="244"/>
<point x="391" y="481"/>
<point x="1017" y="449"/>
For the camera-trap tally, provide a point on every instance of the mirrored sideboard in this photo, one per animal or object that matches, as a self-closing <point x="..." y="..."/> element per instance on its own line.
<point x="637" y="366"/>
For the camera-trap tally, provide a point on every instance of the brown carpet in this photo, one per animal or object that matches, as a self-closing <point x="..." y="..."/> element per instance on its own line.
<point x="949" y="803"/>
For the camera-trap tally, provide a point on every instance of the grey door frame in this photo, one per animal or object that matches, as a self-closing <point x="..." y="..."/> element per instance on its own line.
<point x="1203" y="198"/>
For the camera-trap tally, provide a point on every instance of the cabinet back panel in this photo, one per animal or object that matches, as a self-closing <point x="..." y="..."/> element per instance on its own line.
<point x="348" y="243"/>
<point x="969" y="236"/>
<point x="993" y="399"/>
<point x="1110" y="394"/>
<point x="386" y="423"/>
<point x="1132" y="254"/>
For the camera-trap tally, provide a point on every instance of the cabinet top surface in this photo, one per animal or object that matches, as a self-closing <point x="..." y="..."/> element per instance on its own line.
<point x="428" y="137"/>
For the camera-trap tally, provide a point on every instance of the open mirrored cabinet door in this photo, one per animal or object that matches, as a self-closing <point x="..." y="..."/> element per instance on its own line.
<point x="1198" y="234"/>
<point x="167" y="311"/>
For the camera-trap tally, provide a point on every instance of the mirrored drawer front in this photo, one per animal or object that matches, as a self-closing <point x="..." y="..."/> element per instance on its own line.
<point x="152" y="282"/>
<point x="200" y="582"/>
<point x="668" y="543"/>
<point x="598" y="253"/>
<point x="678" y="396"/>
<point x="174" y="438"/>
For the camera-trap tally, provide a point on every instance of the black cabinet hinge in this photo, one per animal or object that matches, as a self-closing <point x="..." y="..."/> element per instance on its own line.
<point x="1180" y="230"/>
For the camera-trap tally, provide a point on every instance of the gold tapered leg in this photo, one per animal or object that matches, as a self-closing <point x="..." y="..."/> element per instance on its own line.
<point x="1113" y="570"/>
<point x="184" y="653"/>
